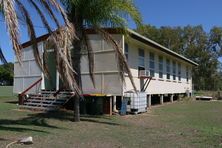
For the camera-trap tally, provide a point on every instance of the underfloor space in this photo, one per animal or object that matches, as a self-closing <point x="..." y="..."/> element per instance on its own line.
<point x="90" y="105"/>
<point x="118" y="102"/>
<point x="166" y="98"/>
<point x="155" y="100"/>
<point x="175" y="97"/>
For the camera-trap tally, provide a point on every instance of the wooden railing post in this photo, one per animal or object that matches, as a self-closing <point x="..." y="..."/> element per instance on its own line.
<point x="21" y="99"/>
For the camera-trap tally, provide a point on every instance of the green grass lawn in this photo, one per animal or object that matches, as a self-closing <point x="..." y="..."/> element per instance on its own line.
<point x="181" y="124"/>
<point x="6" y="91"/>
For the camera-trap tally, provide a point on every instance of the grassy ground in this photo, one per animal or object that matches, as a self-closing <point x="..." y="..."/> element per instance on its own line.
<point x="181" y="124"/>
<point x="6" y="91"/>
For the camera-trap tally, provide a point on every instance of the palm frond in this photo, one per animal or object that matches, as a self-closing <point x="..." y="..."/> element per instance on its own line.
<point x="91" y="60"/>
<point x="12" y="26"/>
<point x="32" y="35"/>
<point x="42" y="16"/>
<point x="122" y="62"/>
<point x="63" y="64"/>
<point x="2" y="57"/>
<point x="70" y="27"/>
<point x="50" y="12"/>
<point x="108" y="13"/>
<point x="128" y="7"/>
<point x="60" y="38"/>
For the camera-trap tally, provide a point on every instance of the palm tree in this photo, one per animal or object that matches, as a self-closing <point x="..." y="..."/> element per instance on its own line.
<point x="95" y="14"/>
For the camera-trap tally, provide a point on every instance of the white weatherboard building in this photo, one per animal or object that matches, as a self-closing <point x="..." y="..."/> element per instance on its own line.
<point x="171" y="72"/>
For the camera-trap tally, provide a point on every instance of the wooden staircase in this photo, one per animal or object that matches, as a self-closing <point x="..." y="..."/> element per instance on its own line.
<point x="46" y="100"/>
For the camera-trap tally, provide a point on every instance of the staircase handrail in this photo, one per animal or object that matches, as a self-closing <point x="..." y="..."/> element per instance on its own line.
<point x="22" y="94"/>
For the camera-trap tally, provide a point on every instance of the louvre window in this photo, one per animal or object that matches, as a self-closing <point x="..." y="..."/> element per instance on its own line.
<point x="187" y="74"/>
<point x="174" y="70"/>
<point x="152" y="64"/>
<point x="160" y="67"/>
<point x="126" y="51"/>
<point x="141" y="58"/>
<point x="179" y="71"/>
<point x="168" y="67"/>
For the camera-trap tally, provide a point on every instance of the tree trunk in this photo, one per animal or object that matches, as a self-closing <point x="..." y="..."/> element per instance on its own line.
<point x="77" y="68"/>
<point x="76" y="109"/>
<point x="77" y="45"/>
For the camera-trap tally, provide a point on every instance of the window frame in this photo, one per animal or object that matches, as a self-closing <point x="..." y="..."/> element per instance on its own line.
<point x="187" y="74"/>
<point x="126" y="51"/>
<point x="174" y="68"/>
<point x="179" y="71"/>
<point x="160" y="66"/>
<point x="168" y="69"/>
<point x="152" y="62"/>
<point x="141" y="58"/>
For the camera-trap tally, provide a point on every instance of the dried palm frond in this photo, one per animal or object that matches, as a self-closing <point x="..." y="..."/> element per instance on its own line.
<point x="70" y="27"/>
<point x="63" y="64"/>
<point x="32" y="35"/>
<point x="62" y="11"/>
<point x="12" y="26"/>
<point x="122" y="62"/>
<point x="61" y="38"/>
<point x="90" y="55"/>
<point x="50" y="12"/>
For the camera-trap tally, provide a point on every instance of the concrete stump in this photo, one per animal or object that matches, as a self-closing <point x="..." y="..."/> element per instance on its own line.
<point x="161" y="99"/>
<point x="149" y="101"/>
<point x="171" y="98"/>
<point x="114" y="104"/>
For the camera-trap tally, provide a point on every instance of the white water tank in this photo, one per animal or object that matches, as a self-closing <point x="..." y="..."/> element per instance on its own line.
<point x="137" y="102"/>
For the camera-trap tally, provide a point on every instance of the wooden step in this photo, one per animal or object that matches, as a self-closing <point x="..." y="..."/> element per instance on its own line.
<point x="43" y="104"/>
<point x="37" y="108"/>
<point x="53" y="92"/>
<point x="46" y="101"/>
<point x="40" y="104"/>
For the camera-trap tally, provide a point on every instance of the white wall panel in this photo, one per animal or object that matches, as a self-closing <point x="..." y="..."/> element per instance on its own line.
<point x="28" y="72"/>
<point x="106" y="72"/>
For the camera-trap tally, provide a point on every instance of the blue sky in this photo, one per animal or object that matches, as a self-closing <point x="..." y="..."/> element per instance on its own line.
<point x="181" y="12"/>
<point x="207" y="13"/>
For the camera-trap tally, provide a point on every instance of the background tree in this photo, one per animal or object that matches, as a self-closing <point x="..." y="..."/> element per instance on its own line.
<point x="6" y="74"/>
<point x="194" y="43"/>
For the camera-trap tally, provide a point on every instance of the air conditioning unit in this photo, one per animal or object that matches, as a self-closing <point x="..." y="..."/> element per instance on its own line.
<point x="144" y="73"/>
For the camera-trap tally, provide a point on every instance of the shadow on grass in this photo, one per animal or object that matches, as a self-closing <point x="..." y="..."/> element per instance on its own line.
<point x="68" y="116"/>
<point x="25" y="124"/>
<point x="40" y="120"/>
<point x="12" y="102"/>
<point x="98" y="121"/>
<point x="3" y="139"/>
